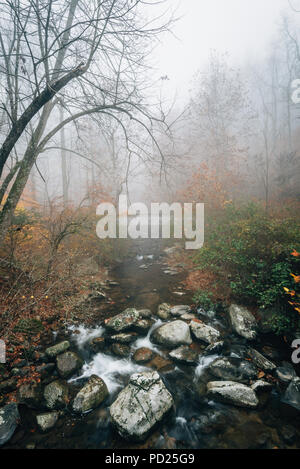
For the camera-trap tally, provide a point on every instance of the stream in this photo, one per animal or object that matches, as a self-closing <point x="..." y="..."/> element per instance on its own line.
<point x="144" y="280"/>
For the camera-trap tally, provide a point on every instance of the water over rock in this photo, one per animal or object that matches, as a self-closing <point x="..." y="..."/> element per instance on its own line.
<point x="172" y="334"/>
<point x="140" y="405"/>
<point x="91" y="395"/>
<point x="243" y="322"/>
<point x="203" y="332"/>
<point x="230" y="392"/>
<point x="123" y="321"/>
<point x="68" y="363"/>
<point x="9" y="418"/>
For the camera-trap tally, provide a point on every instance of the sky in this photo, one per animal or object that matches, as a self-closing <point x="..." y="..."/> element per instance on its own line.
<point x="242" y="28"/>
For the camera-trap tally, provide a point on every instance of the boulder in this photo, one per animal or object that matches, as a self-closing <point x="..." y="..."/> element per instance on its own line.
<point x="9" y="419"/>
<point x="286" y="373"/>
<point x="143" y="355"/>
<point x="97" y="344"/>
<point x="257" y="358"/>
<point x="142" y="326"/>
<point x="172" y="334"/>
<point x="261" y="385"/>
<point x="207" y="334"/>
<point x="179" y="310"/>
<point x="232" y="369"/>
<point x="56" y="395"/>
<point x="30" y="394"/>
<point x="123" y="321"/>
<point x="185" y="355"/>
<point x="140" y="405"/>
<point x="243" y="322"/>
<point x="121" y="350"/>
<point x="68" y="363"/>
<point x="145" y="313"/>
<point x="47" y="421"/>
<point x="215" y="349"/>
<point x="230" y="392"/>
<point x="161" y="364"/>
<point x="291" y="396"/>
<point x="123" y="337"/>
<point x="91" y="395"/>
<point x="164" y="311"/>
<point x="56" y="349"/>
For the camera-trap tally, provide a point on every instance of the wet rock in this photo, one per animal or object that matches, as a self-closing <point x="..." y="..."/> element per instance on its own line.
<point x="261" y="386"/>
<point x="286" y="372"/>
<point x="56" y="395"/>
<point x="123" y="321"/>
<point x="8" y="385"/>
<point x="232" y="369"/>
<point x="145" y="313"/>
<point x="164" y="311"/>
<point x="292" y="394"/>
<point x="142" y="326"/>
<point x="47" y="421"/>
<point x="188" y="317"/>
<point x="205" y="333"/>
<point x="123" y="338"/>
<point x="68" y="363"/>
<point x="97" y="344"/>
<point x="214" y="349"/>
<point x="45" y="369"/>
<point x="142" y="355"/>
<point x="140" y="406"/>
<point x="258" y="359"/>
<point x="172" y="334"/>
<point x="179" y="310"/>
<point x="230" y="392"/>
<point x="243" y="322"/>
<point x="121" y="350"/>
<point x="161" y="364"/>
<point x="30" y="394"/>
<point x="55" y="350"/>
<point x="9" y="419"/>
<point x="91" y="395"/>
<point x="288" y="433"/>
<point x="185" y="355"/>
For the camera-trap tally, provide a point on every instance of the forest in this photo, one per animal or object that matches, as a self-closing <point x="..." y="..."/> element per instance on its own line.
<point x="120" y="343"/>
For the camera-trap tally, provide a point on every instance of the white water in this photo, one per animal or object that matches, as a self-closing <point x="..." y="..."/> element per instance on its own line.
<point x="145" y="341"/>
<point x="204" y="362"/>
<point x="85" y="334"/>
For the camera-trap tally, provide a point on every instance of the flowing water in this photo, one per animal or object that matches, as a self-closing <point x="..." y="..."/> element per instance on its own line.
<point x="144" y="281"/>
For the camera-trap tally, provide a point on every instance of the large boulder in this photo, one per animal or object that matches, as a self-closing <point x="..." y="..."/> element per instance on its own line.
<point x="243" y="322"/>
<point x="123" y="321"/>
<point x="230" y="392"/>
<point x="9" y="419"/>
<point x="203" y="332"/>
<point x="56" y="349"/>
<point x="30" y="394"/>
<point x="141" y="405"/>
<point x="47" y="421"/>
<point x="56" y="395"/>
<point x="232" y="369"/>
<point x="185" y="355"/>
<point x="91" y="395"/>
<point x="172" y="334"/>
<point x="291" y="396"/>
<point x="68" y="363"/>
